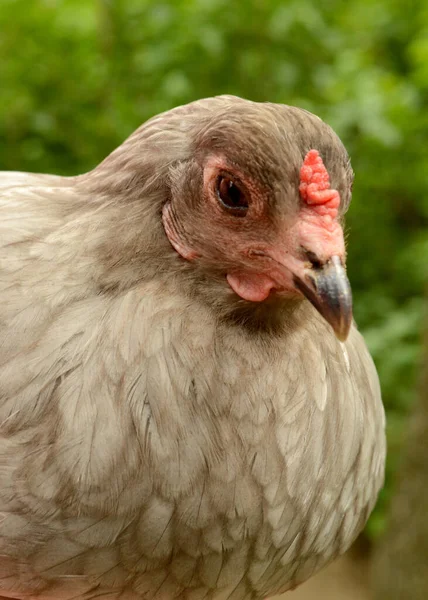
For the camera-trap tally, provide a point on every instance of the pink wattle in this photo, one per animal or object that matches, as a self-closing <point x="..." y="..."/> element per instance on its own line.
<point x="252" y="287"/>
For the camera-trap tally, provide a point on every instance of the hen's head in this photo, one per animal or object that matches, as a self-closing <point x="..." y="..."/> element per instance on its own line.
<point x="256" y="196"/>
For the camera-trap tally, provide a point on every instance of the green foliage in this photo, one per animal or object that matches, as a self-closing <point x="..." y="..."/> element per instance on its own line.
<point x="77" y="76"/>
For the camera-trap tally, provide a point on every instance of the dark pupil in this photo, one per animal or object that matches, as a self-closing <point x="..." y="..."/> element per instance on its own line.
<point x="230" y="195"/>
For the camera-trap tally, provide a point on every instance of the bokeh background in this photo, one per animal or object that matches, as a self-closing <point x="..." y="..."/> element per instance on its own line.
<point x="78" y="76"/>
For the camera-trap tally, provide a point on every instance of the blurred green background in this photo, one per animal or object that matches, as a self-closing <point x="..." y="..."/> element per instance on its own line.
<point x="78" y="76"/>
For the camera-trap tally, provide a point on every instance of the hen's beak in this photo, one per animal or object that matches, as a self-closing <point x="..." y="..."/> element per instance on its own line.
<point x="328" y="289"/>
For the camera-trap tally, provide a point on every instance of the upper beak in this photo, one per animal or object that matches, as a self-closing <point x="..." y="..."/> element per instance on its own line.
<point x="329" y="290"/>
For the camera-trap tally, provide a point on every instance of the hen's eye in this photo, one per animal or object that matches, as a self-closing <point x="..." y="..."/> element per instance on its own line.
<point x="231" y="197"/>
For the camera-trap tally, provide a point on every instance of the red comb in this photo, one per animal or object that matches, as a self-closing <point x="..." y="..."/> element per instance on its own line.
<point x="315" y="188"/>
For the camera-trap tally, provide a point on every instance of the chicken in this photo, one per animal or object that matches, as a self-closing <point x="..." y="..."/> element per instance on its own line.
<point x="187" y="410"/>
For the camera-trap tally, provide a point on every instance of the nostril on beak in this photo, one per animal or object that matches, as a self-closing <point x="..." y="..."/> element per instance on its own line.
<point x="311" y="257"/>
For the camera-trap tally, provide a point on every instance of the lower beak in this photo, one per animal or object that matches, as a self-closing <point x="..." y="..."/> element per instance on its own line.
<point x="329" y="290"/>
